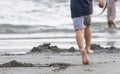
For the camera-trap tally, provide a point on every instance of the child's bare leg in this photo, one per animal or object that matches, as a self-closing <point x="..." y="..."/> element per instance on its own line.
<point x="87" y="35"/>
<point x="85" y="59"/>
<point x="80" y="42"/>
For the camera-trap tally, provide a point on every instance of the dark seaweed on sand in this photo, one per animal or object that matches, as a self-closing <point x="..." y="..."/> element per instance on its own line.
<point x="47" y="48"/>
<point x="15" y="63"/>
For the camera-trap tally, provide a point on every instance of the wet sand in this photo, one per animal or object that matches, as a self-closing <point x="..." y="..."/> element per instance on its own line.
<point x="105" y="61"/>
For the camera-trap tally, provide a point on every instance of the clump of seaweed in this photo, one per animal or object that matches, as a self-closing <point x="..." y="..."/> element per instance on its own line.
<point x="15" y="63"/>
<point x="47" y="48"/>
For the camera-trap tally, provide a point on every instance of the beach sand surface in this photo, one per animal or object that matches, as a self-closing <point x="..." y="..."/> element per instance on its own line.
<point x="105" y="63"/>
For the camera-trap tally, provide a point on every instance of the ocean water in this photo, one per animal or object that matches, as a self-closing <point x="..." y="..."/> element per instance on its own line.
<point x="28" y="23"/>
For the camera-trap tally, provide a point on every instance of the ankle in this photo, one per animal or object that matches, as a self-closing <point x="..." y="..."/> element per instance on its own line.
<point x="82" y="50"/>
<point x="88" y="48"/>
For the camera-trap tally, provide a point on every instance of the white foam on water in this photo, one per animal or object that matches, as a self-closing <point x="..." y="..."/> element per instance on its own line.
<point x="42" y="12"/>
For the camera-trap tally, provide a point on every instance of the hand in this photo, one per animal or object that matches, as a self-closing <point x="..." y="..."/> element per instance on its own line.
<point x="101" y="3"/>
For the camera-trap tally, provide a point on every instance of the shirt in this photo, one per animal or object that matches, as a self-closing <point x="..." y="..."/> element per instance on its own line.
<point x="81" y="8"/>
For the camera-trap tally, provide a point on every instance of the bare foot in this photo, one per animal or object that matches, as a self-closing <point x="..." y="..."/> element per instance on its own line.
<point x="89" y="51"/>
<point x="85" y="59"/>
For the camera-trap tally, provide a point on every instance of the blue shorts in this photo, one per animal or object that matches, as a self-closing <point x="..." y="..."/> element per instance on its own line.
<point x="81" y="22"/>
